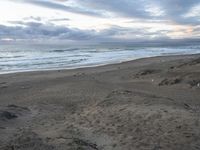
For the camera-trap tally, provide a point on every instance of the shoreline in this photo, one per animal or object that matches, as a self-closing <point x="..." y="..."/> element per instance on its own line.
<point x="91" y="66"/>
<point x="147" y="103"/>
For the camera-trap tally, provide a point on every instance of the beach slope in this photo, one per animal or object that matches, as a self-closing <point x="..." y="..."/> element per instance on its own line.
<point x="145" y="104"/>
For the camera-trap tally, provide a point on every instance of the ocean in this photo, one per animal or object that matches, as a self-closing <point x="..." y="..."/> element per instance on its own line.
<point x="21" y="58"/>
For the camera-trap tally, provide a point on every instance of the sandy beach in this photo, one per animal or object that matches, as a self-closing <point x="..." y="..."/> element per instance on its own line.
<point x="145" y="104"/>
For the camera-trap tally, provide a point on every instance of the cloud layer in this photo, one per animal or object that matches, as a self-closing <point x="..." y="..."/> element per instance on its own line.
<point x="147" y="20"/>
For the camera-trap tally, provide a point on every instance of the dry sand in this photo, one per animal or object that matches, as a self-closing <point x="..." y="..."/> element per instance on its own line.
<point x="146" y="104"/>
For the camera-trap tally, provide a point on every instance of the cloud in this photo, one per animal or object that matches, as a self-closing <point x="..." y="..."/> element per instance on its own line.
<point x="39" y="19"/>
<point x="139" y="33"/>
<point x="36" y="30"/>
<point x="176" y="10"/>
<point x="60" y="19"/>
<point x="61" y="6"/>
<point x="121" y="7"/>
<point x="33" y="18"/>
<point x="181" y="17"/>
<point x="173" y="10"/>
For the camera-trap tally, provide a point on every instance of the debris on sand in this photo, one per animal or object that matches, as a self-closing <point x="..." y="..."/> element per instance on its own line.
<point x="85" y="144"/>
<point x="170" y="81"/>
<point x="194" y="83"/>
<point x="146" y="72"/>
<point x="7" y="115"/>
<point x="11" y="112"/>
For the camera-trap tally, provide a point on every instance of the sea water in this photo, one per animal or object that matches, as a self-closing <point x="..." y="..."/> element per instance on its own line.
<point x="20" y="58"/>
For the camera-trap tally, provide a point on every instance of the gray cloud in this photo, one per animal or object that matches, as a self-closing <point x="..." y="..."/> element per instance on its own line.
<point x="174" y="10"/>
<point x="59" y="6"/>
<point x="60" y="19"/>
<point x="39" y="19"/>
<point x="120" y="7"/>
<point x="134" y="33"/>
<point x="34" y="31"/>
<point x="37" y="30"/>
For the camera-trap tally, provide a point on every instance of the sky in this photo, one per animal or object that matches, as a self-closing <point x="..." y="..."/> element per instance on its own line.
<point x="99" y="20"/>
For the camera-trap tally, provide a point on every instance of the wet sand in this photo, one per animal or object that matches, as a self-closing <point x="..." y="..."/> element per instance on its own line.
<point x="145" y="104"/>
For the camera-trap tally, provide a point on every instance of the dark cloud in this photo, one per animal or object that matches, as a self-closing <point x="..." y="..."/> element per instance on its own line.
<point x="36" y="30"/>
